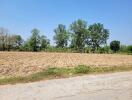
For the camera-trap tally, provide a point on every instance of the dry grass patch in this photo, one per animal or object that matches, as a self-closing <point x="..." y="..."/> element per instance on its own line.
<point x="52" y="73"/>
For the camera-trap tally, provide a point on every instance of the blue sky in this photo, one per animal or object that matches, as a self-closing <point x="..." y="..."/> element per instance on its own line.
<point x="21" y="16"/>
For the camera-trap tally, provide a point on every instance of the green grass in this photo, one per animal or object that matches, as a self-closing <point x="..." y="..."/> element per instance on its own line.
<point x="52" y="73"/>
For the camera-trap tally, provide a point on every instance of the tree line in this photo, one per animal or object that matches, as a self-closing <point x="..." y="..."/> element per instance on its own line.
<point x="79" y="37"/>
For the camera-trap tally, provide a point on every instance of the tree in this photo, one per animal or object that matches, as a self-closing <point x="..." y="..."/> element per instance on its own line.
<point x="34" y="41"/>
<point x="3" y="38"/>
<point x="61" y="36"/>
<point x="79" y="33"/>
<point x="44" y="42"/>
<point x="115" y="46"/>
<point x="98" y="35"/>
<point x="18" y="41"/>
<point x="10" y="41"/>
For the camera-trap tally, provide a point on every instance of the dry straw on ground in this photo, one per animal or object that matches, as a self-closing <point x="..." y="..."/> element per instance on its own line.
<point x="25" y="63"/>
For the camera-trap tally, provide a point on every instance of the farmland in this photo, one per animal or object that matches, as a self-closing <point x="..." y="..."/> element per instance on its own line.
<point x="25" y="63"/>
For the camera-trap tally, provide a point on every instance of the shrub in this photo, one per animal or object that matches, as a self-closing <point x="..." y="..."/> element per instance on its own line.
<point x="101" y="50"/>
<point x="82" y="69"/>
<point x="129" y="49"/>
<point x="123" y="49"/>
<point x="115" y="46"/>
<point x="56" y="49"/>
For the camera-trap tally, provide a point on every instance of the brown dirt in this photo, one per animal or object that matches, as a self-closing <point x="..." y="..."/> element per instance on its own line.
<point x="25" y="63"/>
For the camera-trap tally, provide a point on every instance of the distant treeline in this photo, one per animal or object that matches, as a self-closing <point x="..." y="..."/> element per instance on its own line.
<point x="79" y="37"/>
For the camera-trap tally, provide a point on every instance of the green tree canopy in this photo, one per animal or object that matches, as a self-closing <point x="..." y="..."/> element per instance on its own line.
<point x="34" y="41"/>
<point x="115" y="46"/>
<point x="98" y="35"/>
<point x="18" y="41"/>
<point x="79" y="32"/>
<point x="61" y="36"/>
<point x="44" y="42"/>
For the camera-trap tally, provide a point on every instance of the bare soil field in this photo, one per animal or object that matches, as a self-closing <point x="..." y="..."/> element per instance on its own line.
<point x="25" y="63"/>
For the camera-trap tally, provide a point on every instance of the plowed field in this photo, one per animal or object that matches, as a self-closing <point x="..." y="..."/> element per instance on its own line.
<point x="24" y="63"/>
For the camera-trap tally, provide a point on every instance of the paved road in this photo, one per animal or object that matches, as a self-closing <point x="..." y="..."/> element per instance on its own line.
<point x="116" y="86"/>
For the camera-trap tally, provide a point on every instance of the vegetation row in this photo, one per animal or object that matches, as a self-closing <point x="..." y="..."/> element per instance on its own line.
<point x="79" y="37"/>
<point x="52" y="73"/>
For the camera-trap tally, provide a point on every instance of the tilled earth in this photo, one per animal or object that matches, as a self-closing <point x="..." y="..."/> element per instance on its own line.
<point x="25" y="63"/>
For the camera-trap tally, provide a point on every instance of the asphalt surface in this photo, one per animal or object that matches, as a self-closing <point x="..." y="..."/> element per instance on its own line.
<point x="115" y="86"/>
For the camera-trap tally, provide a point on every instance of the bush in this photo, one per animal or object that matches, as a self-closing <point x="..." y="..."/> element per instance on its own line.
<point x="101" y="50"/>
<point x="55" y="49"/>
<point x="123" y="49"/>
<point x="115" y="46"/>
<point x="81" y="69"/>
<point x="129" y="49"/>
<point x="105" y="49"/>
